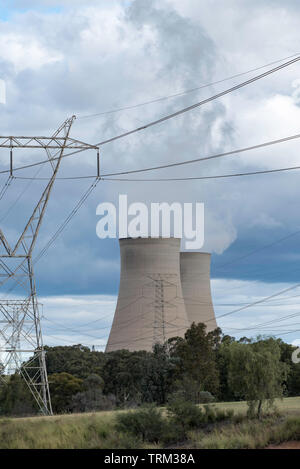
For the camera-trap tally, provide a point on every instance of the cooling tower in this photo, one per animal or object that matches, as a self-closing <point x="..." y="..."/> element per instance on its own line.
<point x="150" y="307"/>
<point x="195" y="281"/>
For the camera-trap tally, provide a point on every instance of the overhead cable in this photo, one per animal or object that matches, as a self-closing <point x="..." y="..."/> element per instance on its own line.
<point x="184" y="92"/>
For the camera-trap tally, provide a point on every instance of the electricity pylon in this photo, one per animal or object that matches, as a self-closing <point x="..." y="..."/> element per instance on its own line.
<point x="20" y="327"/>
<point x="164" y="294"/>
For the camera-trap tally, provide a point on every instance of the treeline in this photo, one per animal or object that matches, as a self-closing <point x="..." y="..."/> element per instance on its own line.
<point x="200" y="368"/>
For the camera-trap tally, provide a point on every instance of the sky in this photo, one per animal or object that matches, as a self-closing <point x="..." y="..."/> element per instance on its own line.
<point x="63" y="58"/>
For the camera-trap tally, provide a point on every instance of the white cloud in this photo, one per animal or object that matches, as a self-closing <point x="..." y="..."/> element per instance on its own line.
<point x="25" y="52"/>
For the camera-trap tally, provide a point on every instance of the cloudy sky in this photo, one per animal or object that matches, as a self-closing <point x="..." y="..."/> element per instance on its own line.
<point x="62" y="58"/>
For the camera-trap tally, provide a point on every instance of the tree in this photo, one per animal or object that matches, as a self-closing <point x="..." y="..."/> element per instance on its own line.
<point x="92" y="398"/>
<point x="122" y="374"/>
<point x="93" y="382"/>
<point x="293" y="379"/>
<point x="223" y="359"/>
<point x="76" y="360"/>
<point x="256" y="373"/>
<point x="63" y="387"/>
<point x="196" y="357"/>
<point x="158" y="372"/>
<point x="15" y="397"/>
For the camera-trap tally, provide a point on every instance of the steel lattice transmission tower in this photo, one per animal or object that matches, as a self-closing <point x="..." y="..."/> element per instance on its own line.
<point x="20" y="328"/>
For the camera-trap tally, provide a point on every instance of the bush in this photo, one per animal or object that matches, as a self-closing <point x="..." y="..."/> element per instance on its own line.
<point x="188" y="389"/>
<point x="205" y="397"/>
<point x="213" y="414"/>
<point x="173" y="433"/>
<point x="187" y="415"/>
<point x="146" y="423"/>
<point x="239" y="418"/>
<point x="210" y="415"/>
<point x="92" y="400"/>
<point x="184" y="414"/>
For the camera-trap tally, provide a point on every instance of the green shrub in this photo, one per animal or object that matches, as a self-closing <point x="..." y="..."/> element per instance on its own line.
<point x="205" y="397"/>
<point x="173" y="434"/>
<point x="146" y="423"/>
<point x="187" y="415"/>
<point x="210" y="414"/>
<point x="125" y="441"/>
<point x="239" y="418"/>
<point x="289" y="430"/>
<point x="224" y="414"/>
<point x="213" y="414"/>
<point x="184" y="414"/>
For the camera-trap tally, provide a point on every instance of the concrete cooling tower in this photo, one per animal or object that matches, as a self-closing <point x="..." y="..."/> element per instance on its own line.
<point x="195" y="282"/>
<point x="150" y="305"/>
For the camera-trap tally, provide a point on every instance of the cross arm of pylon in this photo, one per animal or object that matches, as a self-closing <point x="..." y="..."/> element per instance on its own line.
<point x="44" y="142"/>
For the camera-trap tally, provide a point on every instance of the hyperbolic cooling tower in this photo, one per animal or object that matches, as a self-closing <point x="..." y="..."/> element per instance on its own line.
<point x="150" y="305"/>
<point x="195" y="282"/>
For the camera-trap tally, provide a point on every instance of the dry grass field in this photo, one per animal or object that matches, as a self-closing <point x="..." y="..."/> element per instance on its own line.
<point x="288" y="406"/>
<point x="96" y="430"/>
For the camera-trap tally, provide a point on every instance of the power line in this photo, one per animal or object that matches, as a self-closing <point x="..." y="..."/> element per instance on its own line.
<point x="181" y="328"/>
<point x="256" y="302"/>
<point x="170" y="165"/>
<point x="73" y="330"/>
<point x="273" y="274"/>
<point x="242" y="329"/>
<point x="182" y="93"/>
<point x="272" y="321"/>
<point x="20" y="195"/>
<point x="63" y="225"/>
<point x="174" y="114"/>
<point x="82" y="325"/>
<point x="169" y="116"/>
<point x="65" y="341"/>
<point x="217" y="176"/>
<point x="146" y="337"/>
<point x="197" y="178"/>
<point x="200" y="103"/>
<point x="6" y="186"/>
<point x="259" y="249"/>
<point x="67" y="220"/>
<point x="205" y="158"/>
<point x="289" y="332"/>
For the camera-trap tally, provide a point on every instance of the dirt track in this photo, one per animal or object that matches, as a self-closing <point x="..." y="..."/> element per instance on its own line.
<point x="286" y="445"/>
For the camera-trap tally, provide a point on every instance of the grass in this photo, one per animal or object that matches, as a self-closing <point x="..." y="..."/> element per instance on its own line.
<point x="288" y="406"/>
<point x="249" y="434"/>
<point x="97" y="430"/>
<point x="77" y="431"/>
